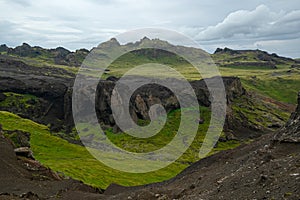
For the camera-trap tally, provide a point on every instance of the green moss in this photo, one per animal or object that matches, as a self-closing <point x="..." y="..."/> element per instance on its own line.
<point x="283" y="89"/>
<point x="257" y="112"/>
<point x="21" y="101"/>
<point x="75" y="161"/>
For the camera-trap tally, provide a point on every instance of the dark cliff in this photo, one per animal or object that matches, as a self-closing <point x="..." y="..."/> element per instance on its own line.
<point x="45" y="95"/>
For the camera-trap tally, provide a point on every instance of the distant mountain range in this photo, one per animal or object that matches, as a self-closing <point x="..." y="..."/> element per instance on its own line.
<point x="223" y="57"/>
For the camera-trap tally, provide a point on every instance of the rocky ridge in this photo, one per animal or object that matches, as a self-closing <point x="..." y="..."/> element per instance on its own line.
<point x="45" y="95"/>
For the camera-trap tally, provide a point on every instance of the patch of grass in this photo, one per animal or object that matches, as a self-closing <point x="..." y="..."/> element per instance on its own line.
<point x="23" y="101"/>
<point x="75" y="161"/>
<point x="257" y="112"/>
<point x="281" y="89"/>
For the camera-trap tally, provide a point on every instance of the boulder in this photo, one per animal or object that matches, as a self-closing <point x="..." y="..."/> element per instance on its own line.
<point x="24" y="151"/>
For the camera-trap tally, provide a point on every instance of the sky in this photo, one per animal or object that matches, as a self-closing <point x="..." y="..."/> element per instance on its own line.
<point x="271" y="25"/>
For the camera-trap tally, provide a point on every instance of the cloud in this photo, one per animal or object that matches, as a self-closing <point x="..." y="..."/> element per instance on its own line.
<point x="289" y="48"/>
<point x="86" y="23"/>
<point x="260" y="28"/>
<point x="20" y="2"/>
<point x="259" y="23"/>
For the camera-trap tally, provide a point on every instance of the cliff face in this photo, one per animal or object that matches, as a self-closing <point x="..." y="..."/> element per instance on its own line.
<point x="45" y="95"/>
<point x="144" y="97"/>
<point x="291" y="131"/>
<point x="37" y="94"/>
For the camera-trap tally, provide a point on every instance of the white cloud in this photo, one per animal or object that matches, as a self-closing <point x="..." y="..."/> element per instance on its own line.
<point x="241" y="23"/>
<point x="258" y="28"/>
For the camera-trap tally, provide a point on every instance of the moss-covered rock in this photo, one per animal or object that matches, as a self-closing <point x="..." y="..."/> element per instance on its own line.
<point x="19" y="138"/>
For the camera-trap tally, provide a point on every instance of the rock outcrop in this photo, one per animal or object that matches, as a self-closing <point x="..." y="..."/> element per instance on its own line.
<point x="45" y="95"/>
<point x="291" y="131"/>
<point x="37" y="94"/>
<point x="146" y="96"/>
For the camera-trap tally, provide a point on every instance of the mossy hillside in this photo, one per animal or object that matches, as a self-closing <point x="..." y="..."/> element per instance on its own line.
<point x="257" y="112"/>
<point x="281" y="88"/>
<point x="76" y="162"/>
<point x="281" y="84"/>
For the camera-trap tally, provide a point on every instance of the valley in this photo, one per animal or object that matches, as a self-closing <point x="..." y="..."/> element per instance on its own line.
<point x="261" y="93"/>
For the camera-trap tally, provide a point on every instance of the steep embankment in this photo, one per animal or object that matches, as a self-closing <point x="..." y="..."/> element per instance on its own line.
<point x="25" y="178"/>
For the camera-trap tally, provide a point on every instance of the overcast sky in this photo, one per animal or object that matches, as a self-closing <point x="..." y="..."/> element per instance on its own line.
<point x="272" y="25"/>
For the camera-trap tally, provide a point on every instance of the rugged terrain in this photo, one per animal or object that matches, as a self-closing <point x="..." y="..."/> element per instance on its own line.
<point x="35" y="86"/>
<point x="268" y="168"/>
<point x="36" y="113"/>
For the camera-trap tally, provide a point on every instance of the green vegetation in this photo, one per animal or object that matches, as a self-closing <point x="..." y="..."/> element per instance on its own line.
<point x="282" y="89"/>
<point x="76" y="162"/>
<point x="257" y="112"/>
<point x="19" y="102"/>
<point x="281" y="84"/>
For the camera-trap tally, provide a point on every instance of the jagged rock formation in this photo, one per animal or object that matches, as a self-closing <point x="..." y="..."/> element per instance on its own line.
<point x="291" y="131"/>
<point x="51" y="91"/>
<point x="144" y="97"/>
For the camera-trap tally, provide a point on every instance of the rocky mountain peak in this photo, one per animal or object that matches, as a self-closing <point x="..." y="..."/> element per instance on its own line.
<point x="25" y="45"/>
<point x="145" y="38"/>
<point x="113" y="42"/>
